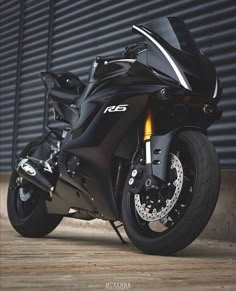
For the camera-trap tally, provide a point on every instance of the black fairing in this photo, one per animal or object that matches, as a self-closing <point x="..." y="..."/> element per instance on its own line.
<point x="97" y="134"/>
<point x="171" y="50"/>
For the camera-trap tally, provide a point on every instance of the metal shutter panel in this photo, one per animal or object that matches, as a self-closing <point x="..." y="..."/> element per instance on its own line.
<point x="9" y="35"/>
<point x="74" y="32"/>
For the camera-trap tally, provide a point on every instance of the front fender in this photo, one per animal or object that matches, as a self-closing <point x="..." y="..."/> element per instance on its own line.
<point x="160" y="146"/>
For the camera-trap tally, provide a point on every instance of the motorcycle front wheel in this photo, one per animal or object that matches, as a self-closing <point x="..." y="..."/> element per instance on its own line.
<point x="194" y="207"/>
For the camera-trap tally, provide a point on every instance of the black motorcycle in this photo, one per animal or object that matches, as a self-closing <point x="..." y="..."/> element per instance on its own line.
<point x="133" y="147"/>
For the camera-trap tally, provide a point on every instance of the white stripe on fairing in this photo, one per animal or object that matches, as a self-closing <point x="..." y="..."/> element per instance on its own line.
<point x="148" y="152"/>
<point x="216" y="89"/>
<point x="170" y="60"/>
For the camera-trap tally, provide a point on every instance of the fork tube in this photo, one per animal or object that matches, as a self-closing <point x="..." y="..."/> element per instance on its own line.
<point x="148" y="130"/>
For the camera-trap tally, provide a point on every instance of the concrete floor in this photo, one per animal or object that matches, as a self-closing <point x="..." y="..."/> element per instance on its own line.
<point x="82" y="259"/>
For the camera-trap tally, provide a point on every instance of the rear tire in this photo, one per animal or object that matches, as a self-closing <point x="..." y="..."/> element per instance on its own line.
<point x="203" y="201"/>
<point x="38" y="222"/>
<point x="30" y="218"/>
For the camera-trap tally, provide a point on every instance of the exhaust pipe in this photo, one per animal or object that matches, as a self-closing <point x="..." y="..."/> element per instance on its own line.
<point x="28" y="172"/>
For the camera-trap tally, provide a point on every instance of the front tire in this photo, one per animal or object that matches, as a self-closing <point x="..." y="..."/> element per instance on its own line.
<point x="200" y="202"/>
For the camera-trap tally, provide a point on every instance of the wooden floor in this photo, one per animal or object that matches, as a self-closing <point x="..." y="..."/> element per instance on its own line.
<point x="71" y="258"/>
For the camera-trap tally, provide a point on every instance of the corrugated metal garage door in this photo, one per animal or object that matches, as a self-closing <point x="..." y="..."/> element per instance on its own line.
<point x="9" y="31"/>
<point x="67" y="35"/>
<point x="34" y="60"/>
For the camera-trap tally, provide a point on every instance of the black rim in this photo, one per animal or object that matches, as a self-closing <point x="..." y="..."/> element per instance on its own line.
<point x="152" y="230"/>
<point x="25" y="208"/>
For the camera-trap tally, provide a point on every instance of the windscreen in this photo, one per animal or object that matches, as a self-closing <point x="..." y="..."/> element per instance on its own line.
<point x="172" y="51"/>
<point x="174" y="31"/>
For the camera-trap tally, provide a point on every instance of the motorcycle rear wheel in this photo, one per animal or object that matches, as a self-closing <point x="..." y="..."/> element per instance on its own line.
<point x="26" y="205"/>
<point x="201" y="167"/>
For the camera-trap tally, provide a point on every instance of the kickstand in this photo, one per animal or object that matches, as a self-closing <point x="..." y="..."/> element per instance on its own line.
<point x="117" y="231"/>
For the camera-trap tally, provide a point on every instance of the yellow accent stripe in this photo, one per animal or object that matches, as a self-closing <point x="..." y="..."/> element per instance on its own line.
<point x="148" y="127"/>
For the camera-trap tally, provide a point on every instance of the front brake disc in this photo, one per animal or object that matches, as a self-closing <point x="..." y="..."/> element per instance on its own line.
<point x="154" y="215"/>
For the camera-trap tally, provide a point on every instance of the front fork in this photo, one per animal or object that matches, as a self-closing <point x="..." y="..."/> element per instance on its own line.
<point x="156" y="150"/>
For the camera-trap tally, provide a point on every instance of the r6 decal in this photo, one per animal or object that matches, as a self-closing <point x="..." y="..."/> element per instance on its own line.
<point x="118" y="108"/>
